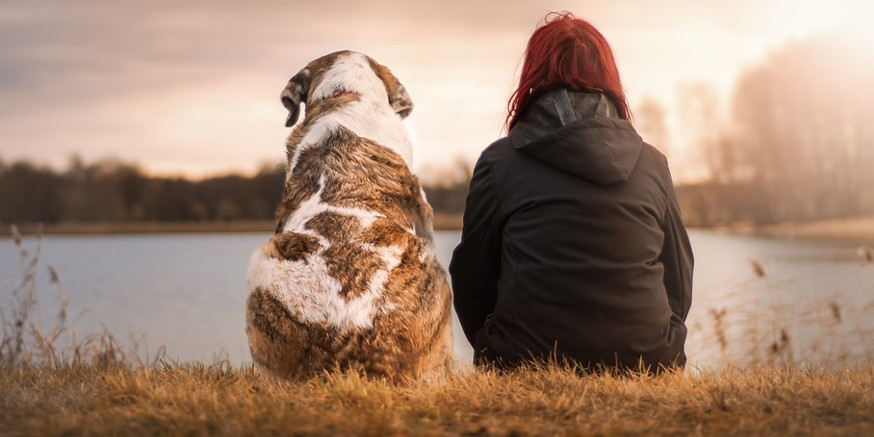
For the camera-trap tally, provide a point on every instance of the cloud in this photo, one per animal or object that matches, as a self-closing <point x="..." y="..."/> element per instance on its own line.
<point x="190" y="85"/>
<point x="118" y="78"/>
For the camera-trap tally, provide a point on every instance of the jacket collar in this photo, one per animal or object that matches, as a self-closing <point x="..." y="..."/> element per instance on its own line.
<point x="580" y="134"/>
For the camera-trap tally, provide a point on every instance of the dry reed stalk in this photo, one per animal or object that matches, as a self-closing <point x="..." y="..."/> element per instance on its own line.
<point x="27" y="342"/>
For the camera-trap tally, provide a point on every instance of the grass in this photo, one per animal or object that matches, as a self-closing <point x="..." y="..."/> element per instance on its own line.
<point x="27" y="340"/>
<point x="198" y="399"/>
<point x="52" y="383"/>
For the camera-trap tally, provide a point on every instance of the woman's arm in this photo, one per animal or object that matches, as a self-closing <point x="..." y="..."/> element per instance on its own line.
<point x="475" y="265"/>
<point x="677" y="259"/>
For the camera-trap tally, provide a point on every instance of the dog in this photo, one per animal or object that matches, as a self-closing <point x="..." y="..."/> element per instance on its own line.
<point x="350" y="280"/>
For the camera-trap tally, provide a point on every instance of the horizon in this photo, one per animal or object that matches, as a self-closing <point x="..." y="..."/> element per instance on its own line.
<point x="192" y="92"/>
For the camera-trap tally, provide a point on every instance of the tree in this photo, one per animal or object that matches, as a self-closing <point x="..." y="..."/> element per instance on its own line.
<point x="29" y="194"/>
<point x="651" y="121"/>
<point x="700" y="110"/>
<point x="804" y="135"/>
<point x="447" y="189"/>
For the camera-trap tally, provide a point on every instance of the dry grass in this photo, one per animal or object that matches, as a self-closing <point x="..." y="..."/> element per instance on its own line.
<point x="767" y="321"/>
<point x="218" y="400"/>
<point x="27" y="339"/>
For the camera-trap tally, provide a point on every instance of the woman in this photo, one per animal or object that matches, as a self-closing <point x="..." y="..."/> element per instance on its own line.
<point x="573" y="247"/>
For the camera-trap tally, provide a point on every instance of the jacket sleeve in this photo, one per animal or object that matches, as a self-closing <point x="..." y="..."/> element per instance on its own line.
<point x="677" y="259"/>
<point x="475" y="264"/>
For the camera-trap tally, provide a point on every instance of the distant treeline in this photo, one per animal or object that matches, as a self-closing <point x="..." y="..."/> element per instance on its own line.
<point x="798" y="144"/>
<point x="110" y="191"/>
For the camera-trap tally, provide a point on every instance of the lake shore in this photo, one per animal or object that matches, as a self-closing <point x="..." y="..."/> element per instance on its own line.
<point x="442" y="222"/>
<point x="858" y="229"/>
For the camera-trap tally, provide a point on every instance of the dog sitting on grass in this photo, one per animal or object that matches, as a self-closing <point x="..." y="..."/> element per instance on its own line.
<point x="351" y="279"/>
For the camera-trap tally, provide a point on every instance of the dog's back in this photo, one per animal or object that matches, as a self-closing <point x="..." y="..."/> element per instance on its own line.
<point x="351" y="277"/>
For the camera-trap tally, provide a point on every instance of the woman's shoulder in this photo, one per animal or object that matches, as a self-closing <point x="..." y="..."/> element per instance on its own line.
<point x="497" y="148"/>
<point x="501" y="153"/>
<point x="655" y="154"/>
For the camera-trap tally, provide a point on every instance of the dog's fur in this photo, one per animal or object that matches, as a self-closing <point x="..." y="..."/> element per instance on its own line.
<point x="351" y="278"/>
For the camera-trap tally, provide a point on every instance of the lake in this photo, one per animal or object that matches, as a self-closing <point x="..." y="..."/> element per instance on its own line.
<point x="187" y="292"/>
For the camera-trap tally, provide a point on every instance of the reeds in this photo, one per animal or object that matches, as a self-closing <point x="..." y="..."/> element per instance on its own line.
<point x="28" y="341"/>
<point x="762" y="321"/>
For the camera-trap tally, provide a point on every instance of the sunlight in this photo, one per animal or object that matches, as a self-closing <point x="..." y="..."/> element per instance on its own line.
<point x="863" y="33"/>
<point x="855" y="21"/>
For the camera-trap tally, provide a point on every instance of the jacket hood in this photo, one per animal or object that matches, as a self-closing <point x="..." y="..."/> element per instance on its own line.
<point x="580" y="134"/>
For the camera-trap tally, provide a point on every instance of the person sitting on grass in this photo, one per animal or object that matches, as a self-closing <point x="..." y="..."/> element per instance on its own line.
<point x="572" y="246"/>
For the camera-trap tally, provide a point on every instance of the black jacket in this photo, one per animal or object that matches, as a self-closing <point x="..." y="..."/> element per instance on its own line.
<point x="572" y="245"/>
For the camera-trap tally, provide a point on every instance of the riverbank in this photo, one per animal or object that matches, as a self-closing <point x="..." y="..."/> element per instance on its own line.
<point x="142" y="227"/>
<point x="441" y="222"/>
<point x="859" y="230"/>
<point x="198" y="399"/>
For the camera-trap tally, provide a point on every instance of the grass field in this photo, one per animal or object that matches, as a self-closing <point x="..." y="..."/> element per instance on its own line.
<point x="197" y="399"/>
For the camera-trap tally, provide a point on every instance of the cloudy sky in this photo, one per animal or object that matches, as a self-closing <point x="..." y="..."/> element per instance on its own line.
<point x="191" y="88"/>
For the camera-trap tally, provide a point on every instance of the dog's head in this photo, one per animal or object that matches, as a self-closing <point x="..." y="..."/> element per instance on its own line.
<point x="344" y="72"/>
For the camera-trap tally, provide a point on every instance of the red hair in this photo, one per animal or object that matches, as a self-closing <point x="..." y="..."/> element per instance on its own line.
<point x="567" y="52"/>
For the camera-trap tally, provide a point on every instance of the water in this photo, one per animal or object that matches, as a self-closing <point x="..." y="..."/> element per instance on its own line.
<point x="187" y="293"/>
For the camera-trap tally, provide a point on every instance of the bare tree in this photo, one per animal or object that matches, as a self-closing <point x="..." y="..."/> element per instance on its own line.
<point x="804" y="131"/>
<point x="703" y="119"/>
<point x="651" y="121"/>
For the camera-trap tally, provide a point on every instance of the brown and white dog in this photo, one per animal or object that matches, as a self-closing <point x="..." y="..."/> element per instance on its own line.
<point x="351" y="278"/>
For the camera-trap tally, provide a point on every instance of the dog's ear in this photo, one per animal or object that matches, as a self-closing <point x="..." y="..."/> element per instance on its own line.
<point x="294" y="94"/>
<point x="397" y="94"/>
<point x="400" y="101"/>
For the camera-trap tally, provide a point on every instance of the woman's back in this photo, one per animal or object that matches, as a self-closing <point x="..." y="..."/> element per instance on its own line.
<point x="572" y="245"/>
<point x="581" y="213"/>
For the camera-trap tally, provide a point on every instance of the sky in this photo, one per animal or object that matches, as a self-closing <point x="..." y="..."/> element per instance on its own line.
<point x="192" y="88"/>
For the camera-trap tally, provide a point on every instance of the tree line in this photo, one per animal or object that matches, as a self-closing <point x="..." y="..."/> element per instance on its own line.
<point x="798" y="143"/>
<point x="109" y="191"/>
<point x="112" y="191"/>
